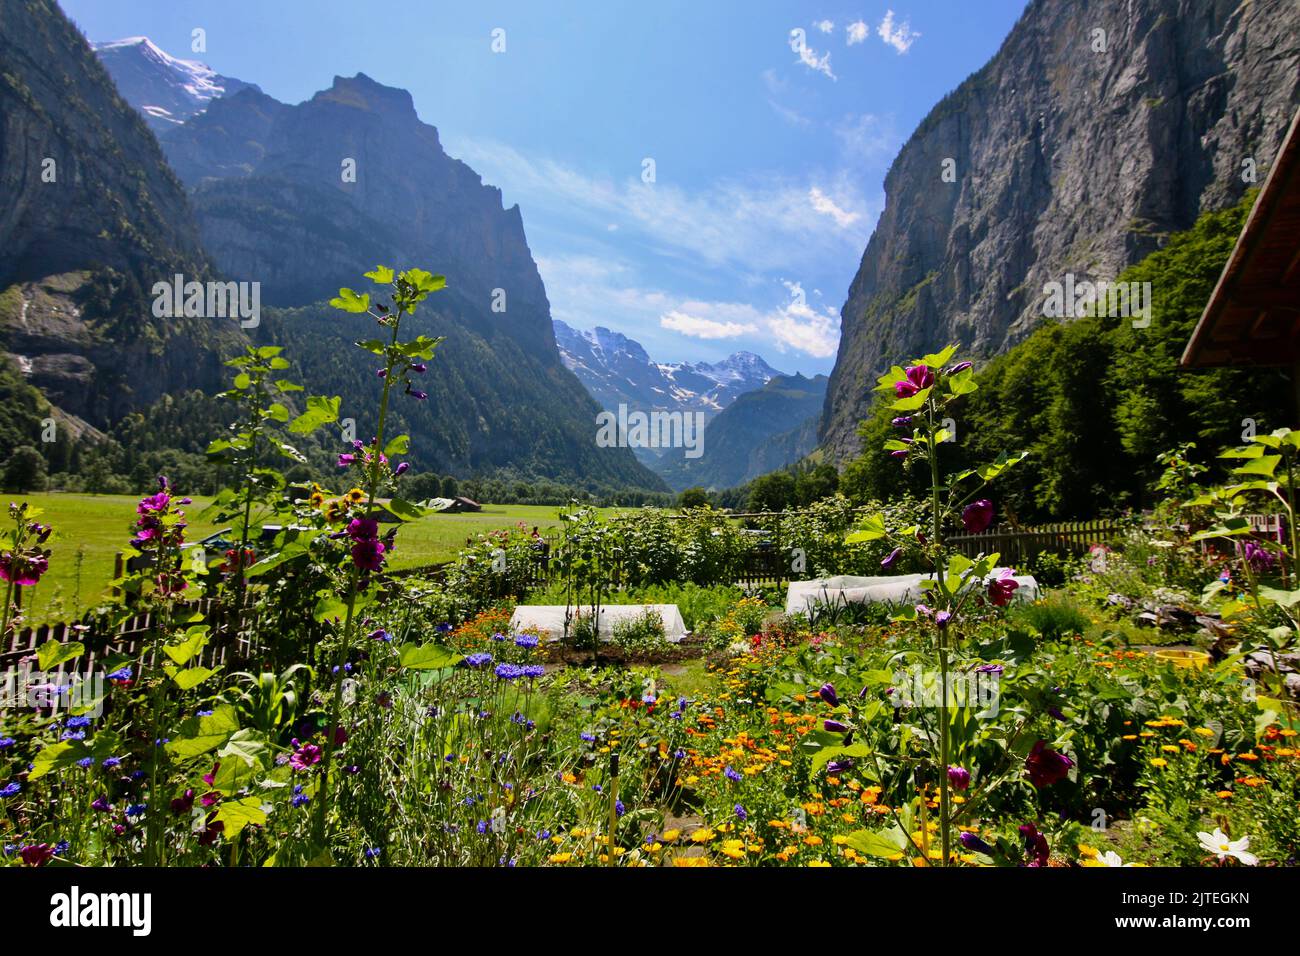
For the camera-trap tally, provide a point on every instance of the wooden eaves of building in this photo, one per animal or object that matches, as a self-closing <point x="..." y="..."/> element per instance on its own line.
<point x="1253" y="316"/>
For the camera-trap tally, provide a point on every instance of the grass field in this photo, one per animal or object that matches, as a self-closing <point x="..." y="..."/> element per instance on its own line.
<point x="90" y="529"/>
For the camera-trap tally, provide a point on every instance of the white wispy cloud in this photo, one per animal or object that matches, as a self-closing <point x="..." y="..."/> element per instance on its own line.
<point x="856" y="33"/>
<point x="825" y="26"/>
<point x="586" y="291"/>
<point x="866" y="138"/>
<point x="900" y="37"/>
<point x="699" y="327"/>
<point x="808" y="56"/>
<point x="793" y="117"/>
<point x="755" y="224"/>
<point x="826" y="206"/>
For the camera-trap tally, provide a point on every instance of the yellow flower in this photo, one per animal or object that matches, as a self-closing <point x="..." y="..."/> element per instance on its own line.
<point x="1169" y="749"/>
<point x="813" y="840"/>
<point x="818" y="863"/>
<point x="1159" y="762"/>
<point x="356" y="496"/>
<point x="670" y="836"/>
<point x="691" y="861"/>
<point x="703" y="835"/>
<point x="1204" y="731"/>
<point x="560" y="857"/>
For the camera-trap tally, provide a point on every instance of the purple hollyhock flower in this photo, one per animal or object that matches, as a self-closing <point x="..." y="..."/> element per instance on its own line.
<point x="977" y="516"/>
<point x="919" y="377"/>
<point x="902" y="421"/>
<point x="1036" y="843"/>
<point x="834" y="726"/>
<point x="346" y="459"/>
<point x="839" y="766"/>
<point x="827" y="693"/>
<point x="363" y="529"/>
<point x="418" y="368"/>
<point x="891" y="559"/>
<point x="1003" y="587"/>
<point x="942" y="618"/>
<point x="402" y="468"/>
<point x="368" y="555"/>
<point x="973" y="843"/>
<point x="899" y="453"/>
<point x="418" y="395"/>
<point x="1045" y="766"/>
<point x="959" y="367"/>
<point x="382" y="372"/>
<point x="1260" y="559"/>
<point x="959" y="777"/>
<point x="989" y="669"/>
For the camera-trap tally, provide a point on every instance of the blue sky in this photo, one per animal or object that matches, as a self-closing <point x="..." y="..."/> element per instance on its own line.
<point x="768" y="153"/>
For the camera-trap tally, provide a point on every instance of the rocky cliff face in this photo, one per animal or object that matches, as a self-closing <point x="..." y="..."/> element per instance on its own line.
<point x="1064" y="158"/>
<point x="91" y="218"/>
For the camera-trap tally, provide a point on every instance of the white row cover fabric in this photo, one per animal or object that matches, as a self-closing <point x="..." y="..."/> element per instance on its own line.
<point x="803" y="596"/>
<point x="548" y="619"/>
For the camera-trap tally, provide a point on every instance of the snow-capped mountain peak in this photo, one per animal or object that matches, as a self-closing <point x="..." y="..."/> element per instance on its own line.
<point x="167" y="89"/>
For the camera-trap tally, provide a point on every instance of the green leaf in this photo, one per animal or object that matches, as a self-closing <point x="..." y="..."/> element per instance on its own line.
<point x="1263" y="465"/>
<point x="913" y="403"/>
<point x="938" y="360"/>
<point x="198" y="735"/>
<point x="189" y="677"/>
<point x="403" y="509"/>
<point x="277" y="412"/>
<point x="320" y="411"/>
<point x="284" y="385"/>
<point x="53" y="653"/>
<point x="827" y="754"/>
<point x="873" y="528"/>
<point x="237" y="814"/>
<point x="196" y="639"/>
<point x="427" y="656"/>
<point x="349" y="301"/>
<point x="380" y="275"/>
<point x="963" y="383"/>
<point x="397" y="446"/>
<point x="883" y="845"/>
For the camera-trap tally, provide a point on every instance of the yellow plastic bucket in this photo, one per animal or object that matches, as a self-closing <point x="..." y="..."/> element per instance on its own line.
<point x="1184" y="658"/>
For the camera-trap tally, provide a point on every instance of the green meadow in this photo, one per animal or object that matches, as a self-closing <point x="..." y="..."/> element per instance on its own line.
<point x="89" y="530"/>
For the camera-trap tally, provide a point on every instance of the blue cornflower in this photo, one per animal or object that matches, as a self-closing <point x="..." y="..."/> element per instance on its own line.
<point x="679" y="754"/>
<point x="543" y="834"/>
<point x="596" y="787"/>
<point x="300" y="800"/>
<point x="10" y="789"/>
<point x="6" y="743"/>
<point x="73" y="735"/>
<point x="509" y="671"/>
<point x="518" y="718"/>
<point x="498" y="636"/>
<point x="61" y="847"/>
<point x="372" y="852"/>
<point x="741" y="813"/>
<point x="589" y="738"/>
<point x="528" y="641"/>
<point x="482" y="826"/>
<point x="77" y="722"/>
<point x="532" y="670"/>
<point x="649" y="699"/>
<point x="136" y="809"/>
<point x="681" y="703"/>
<point x="85" y="762"/>
<point x="468" y="801"/>
<point x="619" y="808"/>
<point x="480" y="659"/>
<point x="111" y="762"/>
<point x="203" y="713"/>
<point x="731" y="774"/>
<point x="122" y="673"/>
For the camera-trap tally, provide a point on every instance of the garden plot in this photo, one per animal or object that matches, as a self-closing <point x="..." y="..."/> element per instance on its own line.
<point x="805" y="596"/>
<point x="547" y="620"/>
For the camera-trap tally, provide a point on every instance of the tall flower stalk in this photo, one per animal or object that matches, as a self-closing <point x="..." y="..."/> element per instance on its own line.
<point x="923" y="393"/>
<point x="401" y="361"/>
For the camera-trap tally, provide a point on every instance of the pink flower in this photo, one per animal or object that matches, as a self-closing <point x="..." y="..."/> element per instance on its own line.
<point x="368" y="554"/>
<point x="977" y="516"/>
<point x="363" y="529"/>
<point x="304" y="755"/>
<point x="23" y="569"/>
<point x="1045" y="766"/>
<point x="918" y="377"/>
<point x="1003" y="587"/>
<point x="959" y="777"/>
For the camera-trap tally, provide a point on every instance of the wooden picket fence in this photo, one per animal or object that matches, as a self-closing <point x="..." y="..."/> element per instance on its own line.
<point x="1019" y="545"/>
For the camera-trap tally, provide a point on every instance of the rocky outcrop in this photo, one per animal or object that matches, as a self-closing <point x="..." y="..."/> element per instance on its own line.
<point x="1067" y="155"/>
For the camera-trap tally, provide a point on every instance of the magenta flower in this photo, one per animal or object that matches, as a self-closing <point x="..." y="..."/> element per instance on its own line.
<point x="346" y="459"/>
<point x="304" y="755"/>
<point x="902" y="421"/>
<point x="37" y="854"/>
<point x="23" y="569"/>
<point x="402" y="468"/>
<point x="1003" y="587"/>
<point x="363" y="529"/>
<point x="977" y="516"/>
<point x="891" y="559"/>
<point x="834" y="727"/>
<point x="368" y="555"/>
<point x="959" y="367"/>
<point x="1045" y="766"/>
<point x="1036" y="843"/>
<point x="1260" y="559"/>
<point x="919" y="377"/>
<point x="959" y="777"/>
